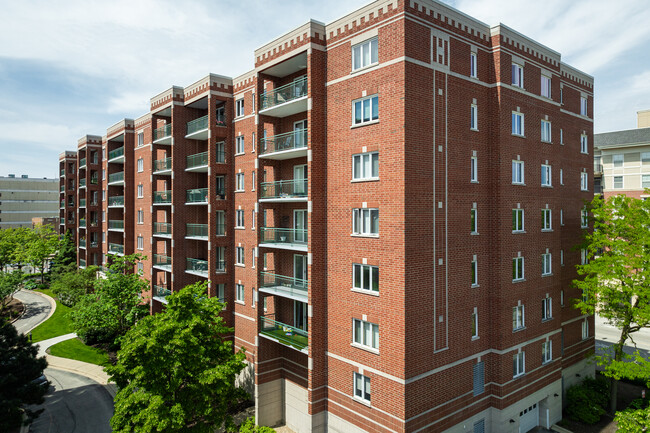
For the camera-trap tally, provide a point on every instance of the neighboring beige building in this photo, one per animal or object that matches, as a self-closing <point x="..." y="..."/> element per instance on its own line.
<point x="643" y="119"/>
<point x="23" y="198"/>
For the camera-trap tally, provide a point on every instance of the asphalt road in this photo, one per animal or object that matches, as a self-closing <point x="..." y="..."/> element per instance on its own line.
<point x="37" y="309"/>
<point x="606" y="335"/>
<point x="74" y="404"/>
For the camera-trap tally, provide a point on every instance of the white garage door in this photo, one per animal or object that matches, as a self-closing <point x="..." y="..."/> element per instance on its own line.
<point x="528" y="418"/>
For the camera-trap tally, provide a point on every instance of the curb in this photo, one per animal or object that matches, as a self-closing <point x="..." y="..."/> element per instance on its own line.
<point x="49" y="299"/>
<point x="559" y="429"/>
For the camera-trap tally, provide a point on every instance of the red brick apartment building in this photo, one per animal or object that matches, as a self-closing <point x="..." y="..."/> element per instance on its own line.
<point x="388" y="204"/>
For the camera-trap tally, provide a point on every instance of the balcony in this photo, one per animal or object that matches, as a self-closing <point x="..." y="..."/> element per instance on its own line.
<point x="287" y="287"/>
<point x="162" y="229"/>
<point x="63" y="172"/>
<point x="284" y="334"/>
<point x="162" y="166"/>
<point x="598" y="169"/>
<point x="198" y="129"/>
<point x="116" y="178"/>
<point x="285" y="100"/>
<point x="82" y="202"/>
<point x="196" y="231"/>
<point x="198" y="162"/>
<point x="163" y="263"/>
<point x="82" y="243"/>
<point x="71" y="203"/>
<point x="286" y="239"/>
<point x="284" y="191"/>
<point x="197" y="196"/>
<point x="116" y="156"/>
<point x="82" y="183"/>
<point x="162" y="197"/>
<point x="62" y="204"/>
<point x="116" y="201"/>
<point x="82" y="222"/>
<point x="163" y="135"/>
<point x="94" y="180"/>
<point x="82" y="263"/>
<point x="285" y="146"/>
<point x="160" y="293"/>
<point x="62" y="188"/>
<point x="116" y="249"/>
<point x="82" y="163"/>
<point x="93" y="244"/>
<point x="196" y="267"/>
<point x="116" y="225"/>
<point x="221" y="157"/>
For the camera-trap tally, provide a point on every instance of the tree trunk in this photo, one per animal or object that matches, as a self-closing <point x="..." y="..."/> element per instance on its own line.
<point x="618" y="355"/>
<point x="613" y="395"/>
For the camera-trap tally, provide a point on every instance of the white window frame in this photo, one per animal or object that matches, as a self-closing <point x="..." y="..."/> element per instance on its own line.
<point x="474" y="221"/>
<point x="239" y="256"/>
<point x="518" y="317"/>
<point x="365" y="166"/>
<point x="517" y="75"/>
<point x="546" y="175"/>
<point x="473" y="65"/>
<point x="369" y="47"/>
<point x="239" y="107"/>
<point x="360" y="104"/>
<point x="561" y="177"/>
<point x="140" y="191"/>
<point x="140" y="243"/>
<point x="584" y="181"/>
<point x="546" y="86"/>
<point x="618" y="160"/>
<point x="518" y="129"/>
<point x="475" y="324"/>
<point x="645" y="158"/>
<point x="367" y="331"/>
<point x="547" y="351"/>
<point x="584" y="144"/>
<point x="240" y="294"/>
<point x="546" y="131"/>
<point x="547" y="308"/>
<point x="239" y="219"/>
<point x="361" y="393"/>
<point x="140" y="165"/>
<point x="362" y="272"/>
<point x="585" y="329"/>
<point x="474" y="273"/>
<point x="518" y="215"/>
<point x="473" y="117"/>
<point x="547" y="265"/>
<point x="620" y="185"/>
<point x="362" y="221"/>
<point x="645" y="181"/>
<point x="240" y="182"/>
<point x="140" y="217"/>
<point x="583" y="106"/>
<point x="584" y="257"/>
<point x="518" y="172"/>
<point x="561" y="217"/>
<point x="473" y="169"/>
<point x="253" y="219"/>
<point x="518" y="269"/>
<point x="547" y="220"/>
<point x="561" y="136"/>
<point x="240" y="145"/>
<point x="584" y="218"/>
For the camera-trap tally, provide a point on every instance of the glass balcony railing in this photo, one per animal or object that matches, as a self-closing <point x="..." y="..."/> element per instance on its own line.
<point x="82" y="163"/>
<point x="93" y="244"/>
<point x="281" y="142"/>
<point x="162" y="165"/>
<point x="196" y="265"/>
<point x="82" y="243"/>
<point x="63" y="172"/>
<point x="116" y="248"/>
<point x="62" y="203"/>
<point x="288" y="92"/>
<point x="116" y="177"/>
<point x="162" y="197"/>
<point x="162" y="261"/>
<point x="198" y="160"/>
<point x="198" y="195"/>
<point x="161" y="292"/>
<point x="162" y="132"/>
<point x="197" y="125"/>
<point x="285" y="334"/>
<point x="162" y="229"/>
<point x="116" y="153"/>
<point x="196" y="231"/>
<point x="82" y="202"/>
<point x="284" y="285"/>
<point x="117" y="200"/>
<point x="116" y="224"/>
<point x="94" y="180"/>
<point x="62" y="188"/>
<point x="82" y="222"/>
<point x="82" y="263"/>
<point x="271" y="235"/>
<point x="284" y="189"/>
<point x="82" y="183"/>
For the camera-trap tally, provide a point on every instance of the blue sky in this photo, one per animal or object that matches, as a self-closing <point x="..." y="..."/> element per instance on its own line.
<point x="75" y="67"/>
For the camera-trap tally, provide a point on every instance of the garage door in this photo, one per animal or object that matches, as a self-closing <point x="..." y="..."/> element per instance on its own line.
<point x="528" y="418"/>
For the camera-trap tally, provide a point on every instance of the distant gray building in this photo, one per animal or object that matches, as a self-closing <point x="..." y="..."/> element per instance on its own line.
<point x="23" y="198"/>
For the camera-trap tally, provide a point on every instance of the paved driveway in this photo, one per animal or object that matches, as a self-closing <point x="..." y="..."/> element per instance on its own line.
<point x="37" y="308"/>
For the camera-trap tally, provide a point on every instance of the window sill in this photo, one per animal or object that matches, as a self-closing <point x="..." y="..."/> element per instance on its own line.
<point x="359" y="400"/>
<point x="240" y="228"/>
<point x="520" y="375"/>
<point x="364" y="68"/>
<point x="547" y="275"/>
<point x="474" y="233"/>
<point x="369" y="179"/>
<point x="518" y="135"/>
<point x="240" y="265"/>
<point x="474" y="129"/>
<point x="547" y="320"/>
<point x="518" y="329"/>
<point x="473" y="181"/>
<point x="547" y="142"/>
<point x="240" y="154"/>
<point x="365" y="292"/>
<point x="547" y="186"/>
<point x="521" y="280"/>
<point x="240" y="302"/>
<point x="240" y="190"/>
<point x="358" y="235"/>
<point x="518" y="184"/>
<point x="366" y="348"/>
<point x="359" y="125"/>
<point x="474" y="286"/>
<point x="516" y="232"/>
<point x="547" y="362"/>
<point x="475" y="338"/>
<point x="547" y="230"/>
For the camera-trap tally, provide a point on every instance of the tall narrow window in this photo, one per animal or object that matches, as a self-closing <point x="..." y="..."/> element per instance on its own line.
<point x="239" y="141"/>
<point x="584" y="218"/>
<point x="518" y="317"/>
<point x="583" y="106"/>
<point x="546" y="175"/>
<point x="240" y="219"/>
<point x="239" y="107"/>
<point x="546" y="131"/>
<point x="362" y="387"/>
<point x="546" y="264"/>
<point x="474" y="221"/>
<point x="241" y="185"/>
<point x="473" y="64"/>
<point x="517" y="123"/>
<point x="584" y="148"/>
<point x="546" y="86"/>
<point x="517" y="75"/>
<point x="239" y="293"/>
<point x="240" y="256"/>
<point x="140" y="165"/>
<point x="547" y="351"/>
<point x="517" y="269"/>
<point x="140" y="243"/>
<point x="546" y="220"/>
<point x="547" y="308"/>
<point x="475" y="323"/>
<point x="584" y="181"/>
<point x="473" y="117"/>
<point x="585" y="329"/>
<point x="517" y="220"/>
<point x="518" y="172"/>
<point x="365" y="54"/>
<point x="473" y="169"/>
<point x="140" y="139"/>
<point x="618" y="160"/>
<point x="474" y="274"/>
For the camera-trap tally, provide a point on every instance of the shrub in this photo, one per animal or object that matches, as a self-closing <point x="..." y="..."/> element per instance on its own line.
<point x="586" y="400"/>
<point x="30" y="284"/>
<point x="249" y="427"/>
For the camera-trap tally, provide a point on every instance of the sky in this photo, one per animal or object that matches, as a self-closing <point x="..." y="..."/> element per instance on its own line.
<point x="74" y="67"/>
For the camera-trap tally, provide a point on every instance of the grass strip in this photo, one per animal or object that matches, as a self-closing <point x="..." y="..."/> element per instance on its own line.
<point x="58" y="324"/>
<point x="75" y="349"/>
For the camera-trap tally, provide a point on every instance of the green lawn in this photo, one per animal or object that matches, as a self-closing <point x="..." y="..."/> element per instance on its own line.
<point x="58" y="324"/>
<point x="75" y="349"/>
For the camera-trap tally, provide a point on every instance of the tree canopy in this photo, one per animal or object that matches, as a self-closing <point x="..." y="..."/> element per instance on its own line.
<point x="175" y="371"/>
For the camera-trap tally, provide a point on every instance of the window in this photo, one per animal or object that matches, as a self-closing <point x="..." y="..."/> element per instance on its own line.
<point x="239" y="293"/>
<point x="140" y="139"/>
<point x="518" y="364"/>
<point x="253" y="180"/>
<point x="546" y="219"/>
<point x="517" y="124"/>
<point x="561" y="217"/>
<point x="365" y="166"/>
<point x="239" y="178"/>
<point x="365" y="277"/>
<point x="140" y="268"/>
<point x="240" y="256"/>
<point x="618" y="181"/>
<point x="546" y="175"/>
<point x="517" y="75"/>
<point x="475" y="323"/>
<point x="365" y="54"/>
<point x="474" y="274"/>
<point x="253" y="220"/>
<point x="365" y="221"/>
<point x="140" y="243"/>
<point x="365" y="110"/>
<point x="585" y="329"/>
<point x="366" y="334"/>
<point x="474" y="220"/>
<point x="584" y="181"/>
<point x="473" y="65"/>
<point x="240" y="219"/>
<point x="561" y="177"/>
<point x="561" y="257"/>
<point x="561" y="136"/>
<point x="103" y="215"/>
<point x="103" y="195"/>
<point x="140" y="191"/>
<point x="252" y="111"/>
<point x="518" y="269"/>
<point x="618" y="160"/>
<point x="562" y="298"/>
<point x="239" y="107"/>
<point x="546" y="131"/>
<point x="547" y="351"/>
<point x="362" y="387"/>
<point x="546" y="86"/>
<point x="103" y="237"/>
<point x="517" y="220"/>
<point x="546" y="264"/>
<point x="645" y="158"/>
<point x="239" y="141"/>
<point x="140" y="165"/>
<point x="583" y="144"/>
<point x="547" y="308"/>
<point x="253" y="141"/>
<point x="584" y="218"/>
<point x="518" y="317"/>
<point x="140" y="217"/>
<point x="473" y="117"/>
<point x="221" y="292"/>
<point x="253" y="256"/>
<point x="478" y="371"/>
<point x="103" y="174"/>
<point x="584" y="258"/>
<point x="583" y="106"/>
<point x="518" y="172"/>
<point x="473" y="168"/>
<point x="645" y="181"/>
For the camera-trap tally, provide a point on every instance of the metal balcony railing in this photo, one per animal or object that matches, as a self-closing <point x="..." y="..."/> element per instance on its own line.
<point x="117" y="200"/>
<point x="116" y="177"/>
<point x="116" y="248"/>
<point x="162" y="228"/>
<point x="93" y="244"/>
<point x="285" y="334"/>
<point x="116" y="224"/>
<point x="286" y="141"/>
<point x="288" y="92"/>
<point x="197" y="125"/>
<point x="161" y="291"/>
<point x="198" y="195"/>
<point x="162" y="132"/>
<point x="288" y="285"/>
<point x="196" y="230"/>
<point x="271" y="235"/>
<point x="116" y="153"/>
<point x="197" y="160"/>
<point x="162" y="164"/>
<point x="162" y="197"/>
<point x="284" y="189"/>
<point x="196" y="265"/>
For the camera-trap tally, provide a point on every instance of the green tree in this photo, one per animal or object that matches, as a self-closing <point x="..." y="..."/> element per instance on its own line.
<point x="9" y="284"/>
<point x="115" y="305"/>
<point x="12" y="246"/>
<point x="616" y="280"/>
<point x="175" y="371"/>
<point x="19" y="366"/>
<point x="71" y="286"/>
<point x="65" y="259"/>
<point x="42" y="243"/>
<point x="634" y="419"/>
